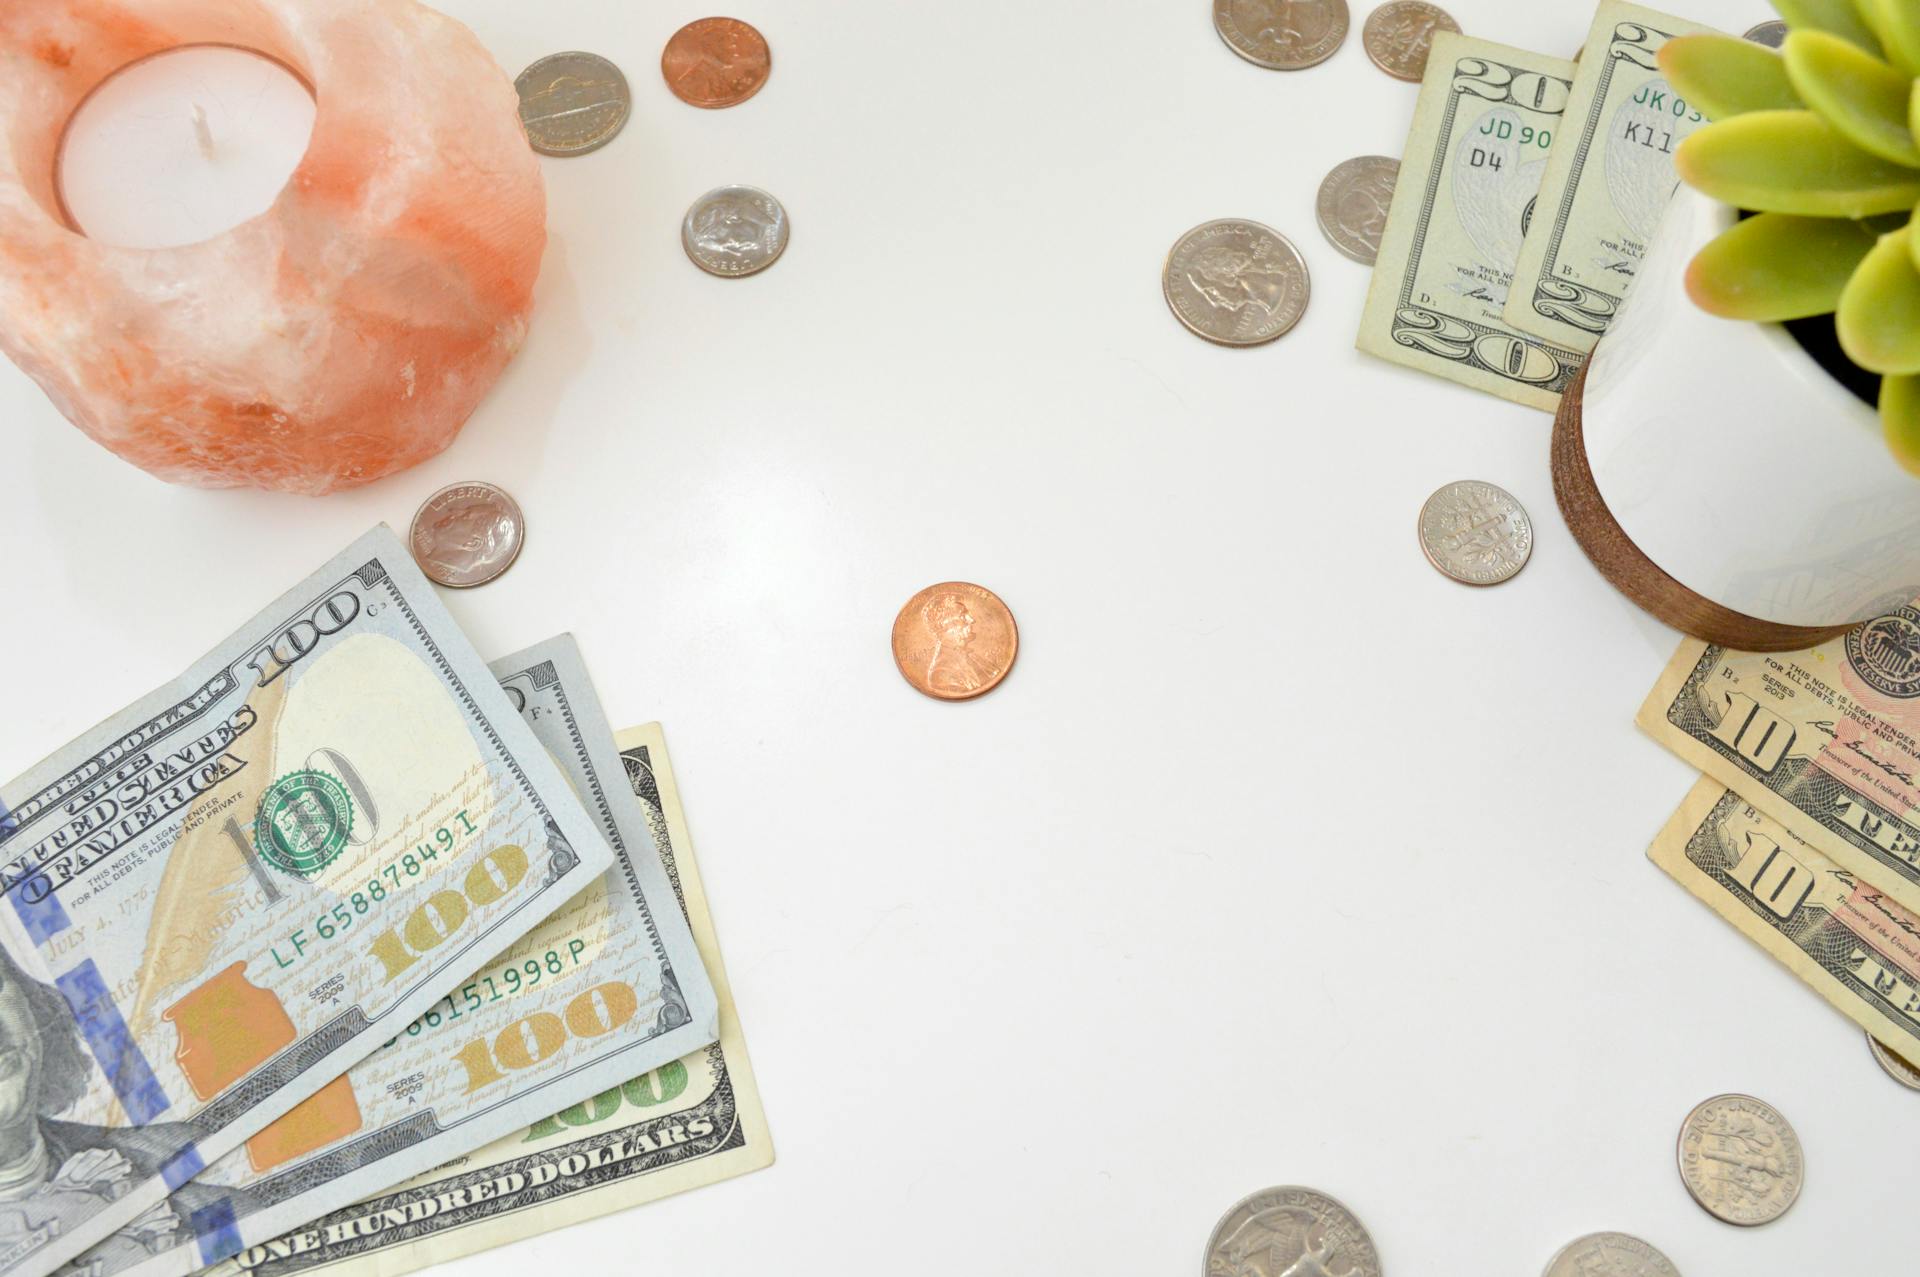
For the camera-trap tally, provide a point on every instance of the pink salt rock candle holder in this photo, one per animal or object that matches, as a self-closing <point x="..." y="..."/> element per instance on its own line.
<point x="346" y="333"/>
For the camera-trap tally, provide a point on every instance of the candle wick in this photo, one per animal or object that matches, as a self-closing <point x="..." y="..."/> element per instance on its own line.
<point x="202" y="130"/>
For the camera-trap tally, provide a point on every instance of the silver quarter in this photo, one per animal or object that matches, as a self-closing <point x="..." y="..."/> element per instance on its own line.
<point x="1772" y="33"/>
<point x="1353" y="204"/>
<point x="467" y="534"/>
<point x="1896" y="1066"/>
<point x="572" y="103"/>
<point x="1282" y="35"/>
<point x="1741" y="1160"/>
<point x="1476" y="533"/>
<point x="1236" y="282"/>
<point x="1290" y="1230"/>
<point x="1610" y="1255"/>
<point x="735" y="231"/>
<point x="1399" y="36"/>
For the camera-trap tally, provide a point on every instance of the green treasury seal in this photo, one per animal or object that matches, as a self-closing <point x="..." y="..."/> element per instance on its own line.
<point x="305" y="820"/>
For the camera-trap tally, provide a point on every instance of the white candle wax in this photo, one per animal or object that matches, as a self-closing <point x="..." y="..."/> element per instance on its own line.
<point x="181" y="146"/>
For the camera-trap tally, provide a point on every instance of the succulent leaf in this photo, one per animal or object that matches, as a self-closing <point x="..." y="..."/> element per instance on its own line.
<point x="1776" y="267"/>
<point x="1860" y="95"/>
<point x="1879" y="314"/>
<point x="1839" y="17"/>
<point x="1721" y="76"/>
<point x="1793" y="162"/>
<point x="1900" y="419"/>
<point x="1896" y="24"/>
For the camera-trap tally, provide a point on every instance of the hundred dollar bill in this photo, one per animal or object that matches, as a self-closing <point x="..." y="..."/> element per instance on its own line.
<point x="222" y="897"/>
<point x="1485" y="125"/>
<point x="1858" y="948"/>
<point x="607" y="988"/>
<point x="1825" y="741"/>
<point x="694" y="1122"/>
<point x="1609" y="178"/>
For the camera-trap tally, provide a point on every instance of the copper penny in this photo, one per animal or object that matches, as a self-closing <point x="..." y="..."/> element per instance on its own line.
<point x="716" y="62"/>
<point x="955" y="641"/>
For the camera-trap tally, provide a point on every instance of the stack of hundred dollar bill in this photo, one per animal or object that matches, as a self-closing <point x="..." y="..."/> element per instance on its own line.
<point x="1527" y="194"/>
<point x="347" y="951"/>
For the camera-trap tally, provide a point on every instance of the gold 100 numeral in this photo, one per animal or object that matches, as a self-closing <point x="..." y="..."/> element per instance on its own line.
<point x="444" y="912"/>
<point x="535" y="1038"/>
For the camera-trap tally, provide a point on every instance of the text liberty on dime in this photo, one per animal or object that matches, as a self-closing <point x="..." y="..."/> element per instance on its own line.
<point x="1236" y="282"/>
<point x="1610" y="1255"/>
<point x="1353" y="204"/>
<point x="1398" y="36"/>
<point x="467" y="534"/>
<point x="572" y="103"/>
<point x="735" y="231"/>
<point x="1476" y="533"/>
<point x="716" y="62"/>
<point x="955" y="641"/>
<point x="1282" y="35"/>
<point x="1895" y="1065"/>
<point x="1741" y="1160"/>
<point x="1773" y="33"/>
<point x="1293" y="1230"/>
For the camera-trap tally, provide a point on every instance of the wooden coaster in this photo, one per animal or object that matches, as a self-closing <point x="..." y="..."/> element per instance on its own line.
<point x="1639" y="577"/>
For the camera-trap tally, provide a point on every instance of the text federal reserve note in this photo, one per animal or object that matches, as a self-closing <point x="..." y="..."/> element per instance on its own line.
<point x="1825" y="741"/>
<point x="1859" y="949"/>
<point x="607" y="988"/>
<point x="1487" y="120"/>
<point x="223" y="896"/>
<point x="693" y="1122"/>
<point x="1608" y="180"/>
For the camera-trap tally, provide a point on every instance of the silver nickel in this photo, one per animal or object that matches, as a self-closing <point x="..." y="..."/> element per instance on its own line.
<point x="1282" y="35"/>
<point x="1399" y="36"/>
<point x="1741" y="1160"/>
<point x="467" y="534"/>
<point x="1772" y="33"/>
<point x="735" y="231"/>
<point x="1236" y="282"/>
<point x="1610" y="1255"/>
<point x="1290" y="1230"/>
<point x="573" y="103"/>
<point x="1476" y="533"/>
<point x="1895" y="1065"/>
<point x="1353" y="204"/>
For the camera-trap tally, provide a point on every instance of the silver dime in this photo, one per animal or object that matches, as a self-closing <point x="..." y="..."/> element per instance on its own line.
<point x="1476" y="533"/>
<point x="1290" y="1230"/>
<point x="734" y="231"/>
<point x="1236" y="282"/>
<point x="467" y="534"/>
<point x="1353" y="205"/>
<point x="1282" y="35"/>
<point x="1772" y="33"/>
<point x="1897" y="1066"/>
<point x="1399" y="36"/>
<point x="1741" y="1160"/>
<point x="572" y="103"/>
<point x="1610" y="1255"/>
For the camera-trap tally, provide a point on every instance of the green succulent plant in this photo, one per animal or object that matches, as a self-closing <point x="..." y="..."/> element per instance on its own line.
<point x="1818" y="141"/>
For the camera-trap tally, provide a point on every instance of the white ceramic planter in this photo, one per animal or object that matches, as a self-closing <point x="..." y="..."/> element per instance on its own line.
<point x="1734" y="463"/>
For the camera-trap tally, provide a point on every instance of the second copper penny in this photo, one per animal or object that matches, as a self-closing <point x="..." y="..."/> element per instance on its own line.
<point x="716" y="62"/>
<point x="955" y="641"/>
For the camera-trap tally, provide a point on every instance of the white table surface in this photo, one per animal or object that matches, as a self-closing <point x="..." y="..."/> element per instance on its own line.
<point x="1278" y="858"/>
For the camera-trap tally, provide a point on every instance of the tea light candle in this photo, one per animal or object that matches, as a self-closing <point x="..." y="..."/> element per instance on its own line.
<point x="183" y="145"/>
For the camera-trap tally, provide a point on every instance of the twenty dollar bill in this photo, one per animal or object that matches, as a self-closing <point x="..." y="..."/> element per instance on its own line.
<point x="608" y="987"/>
<point x="690" y="1123"/>
<point x="1842" y="935"/>
<point x="1825" y="741"/>
<point x="1609" y="178"/>
<point x="223" y="896"/>
<point x="1485" y="125"/>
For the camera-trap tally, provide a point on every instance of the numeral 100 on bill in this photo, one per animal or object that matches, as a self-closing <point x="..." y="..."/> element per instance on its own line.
<point x="534" y="1039"/>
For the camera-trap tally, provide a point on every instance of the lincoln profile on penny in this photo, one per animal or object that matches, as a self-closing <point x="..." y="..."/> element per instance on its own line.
<point x="53" y="1173"/>
<point x="952" y="669"/>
